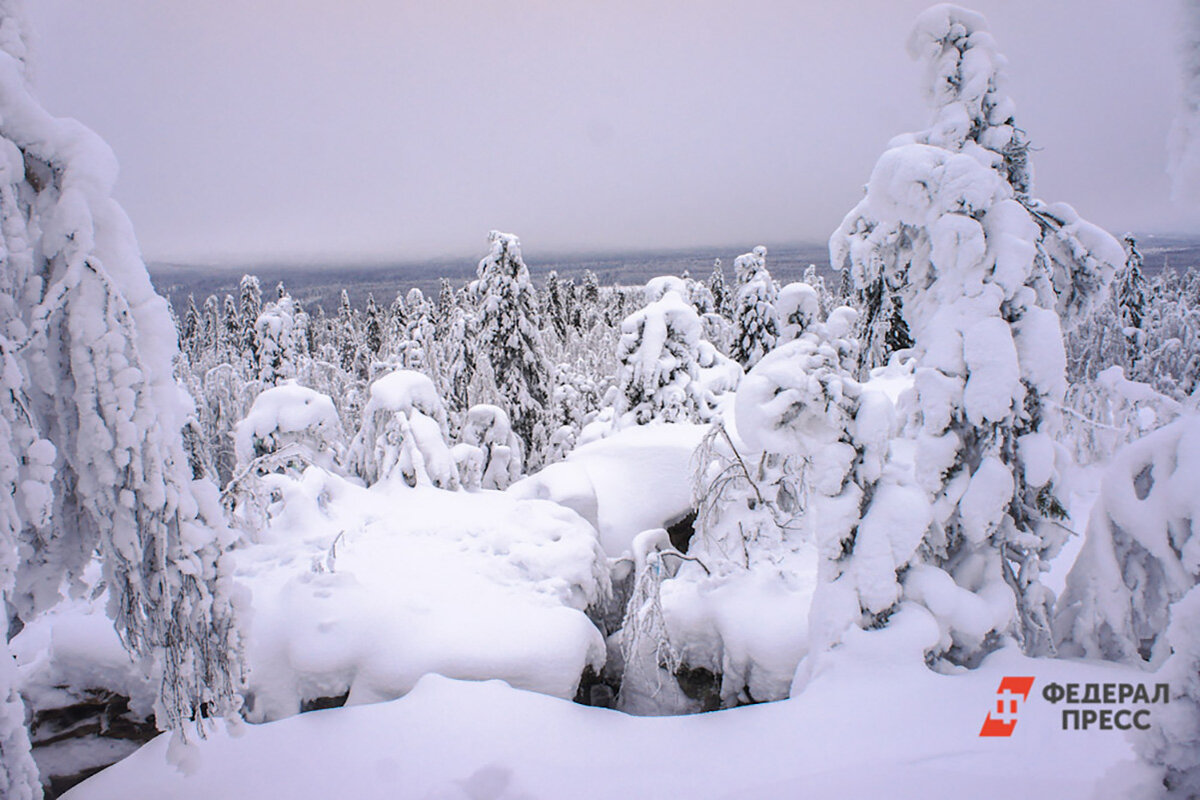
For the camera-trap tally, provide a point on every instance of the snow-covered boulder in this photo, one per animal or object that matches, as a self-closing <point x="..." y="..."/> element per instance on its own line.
<point x="358" y="592"/>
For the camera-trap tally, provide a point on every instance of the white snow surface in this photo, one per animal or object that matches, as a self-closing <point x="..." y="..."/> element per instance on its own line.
<point x="634" y="480"/>
<point x="869" y="725"/>
<point x="366" y="589"/>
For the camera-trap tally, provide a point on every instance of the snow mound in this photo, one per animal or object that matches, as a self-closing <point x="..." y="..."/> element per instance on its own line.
<point x="361" y="591"/>
<point x="632" y="481"/>
<point x="449" y="739"/>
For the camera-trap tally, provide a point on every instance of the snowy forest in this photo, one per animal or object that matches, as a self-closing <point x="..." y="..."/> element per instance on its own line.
<point x="468" y="545"/>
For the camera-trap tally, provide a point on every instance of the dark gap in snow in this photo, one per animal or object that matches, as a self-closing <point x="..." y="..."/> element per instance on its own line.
<point x="89" y="730"/>
<point x="322" y="703"/>
<point x="596" y="690"/>
<point x="1143" y="482"/>
<point x="700" y="684"/>
<point x="680" y="530"/>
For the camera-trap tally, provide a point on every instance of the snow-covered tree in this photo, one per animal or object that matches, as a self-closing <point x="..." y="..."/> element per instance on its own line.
<point x="1172" y="745"/>
<point x="403" y="435"/>
<point x="979" y="270"/>
<point x="249" y="307"/>
<point x="487" y="429"/>
<point x="445" y="307"/>
<point x="373" y="327"/>
<point x="347" y="336"/>
<point x="291" y="420"/>
<point x="510" y="340"/>
<point x="719" y="291"/>
<point x="555" y="306"/>
<point x="233" y="323"/>
<point x="659" y="354"/>
<point x="418" y="348"/>
<point x="756" y="322"/>
<point x="799" y="308"/>
<point x="279" y="341"/>
<point x="26" y="490"/>
<point x="191" y="330"/>
<point x="1141" y="552"/>
<point x="87" y="349"/>
<point x="1130" y="288"/>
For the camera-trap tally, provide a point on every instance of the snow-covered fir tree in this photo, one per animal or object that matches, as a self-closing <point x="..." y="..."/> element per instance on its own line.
<point x="1137" y="555"/>
<point x="403" y="436"/>
<point x="756" y="322"/>
<point x="249" y="307"/>
<point x="102" y="467"/>
<point x="373" y="327"/>
<point x="281" y="339"/>
<point x="510" y="342"/>
<point x="980" y="272"/>
<point x="718" y="289"/>
<point x="659" y="355"/>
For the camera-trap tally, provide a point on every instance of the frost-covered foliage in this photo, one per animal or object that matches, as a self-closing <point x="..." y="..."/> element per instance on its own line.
<point x="89" y="349"/>
<point x="1142" y="551"/>
<point x="754" y="546"/>
<point x="1172" y="745"/>
<point x="756" y="321"/>
<point x="511" y="341"/>
<point x="486" y="428"/>
<point x="281" y="337"/>
<point x="1169" y="358"/>
<point x="1102" y="414"/>
<point x="403" y="435"/>
<point x="19" y="496"/>
<point x="659" y="354"/>
<point x="978" y="270"/>
<point x="290" y="416"/>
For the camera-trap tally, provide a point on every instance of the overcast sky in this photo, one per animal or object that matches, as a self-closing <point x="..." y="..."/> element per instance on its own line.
<point x="373" y="129"/>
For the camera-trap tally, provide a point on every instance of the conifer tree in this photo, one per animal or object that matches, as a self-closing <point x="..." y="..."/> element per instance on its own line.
<point x="756" y="322"/>
<point x="511" y="342"/>
<point x="977" y="269"/>
<point x="249" y="307"/>
<point x="91" y="416"/>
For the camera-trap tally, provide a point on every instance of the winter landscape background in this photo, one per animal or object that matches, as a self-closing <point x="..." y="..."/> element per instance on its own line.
<point x="768" y="521"/>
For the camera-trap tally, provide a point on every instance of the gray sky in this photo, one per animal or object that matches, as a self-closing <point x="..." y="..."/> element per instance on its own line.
<point x="376" y="129"/>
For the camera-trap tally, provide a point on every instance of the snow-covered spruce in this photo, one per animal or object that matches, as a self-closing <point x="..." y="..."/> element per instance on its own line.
<point x="980" y="272"/>
<point x="1172" y="746"/>
<point x="281" y="337"/>
<point x="290" y="416"/>
<point x="25" y="491"/>
<point x="510" y="341"/>
<point x="756" y="322"/>
<point x="89" y="348"/>
<point x="659" y="355"/>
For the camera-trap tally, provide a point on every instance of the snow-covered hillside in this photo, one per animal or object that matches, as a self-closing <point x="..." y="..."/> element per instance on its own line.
<point x="930" y="532"/>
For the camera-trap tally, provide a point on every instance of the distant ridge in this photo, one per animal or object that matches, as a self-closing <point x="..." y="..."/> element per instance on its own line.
<point x="316" y="285"/>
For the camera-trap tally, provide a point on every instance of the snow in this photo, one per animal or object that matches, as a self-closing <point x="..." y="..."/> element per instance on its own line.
<point x="288" y="413"/>
<point x="350" y="595"/>
<point x="1140" y="553"/>
<point x="992" y="364"/>
<point x="452" y="739"/>
<point x="634" y="480"/>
